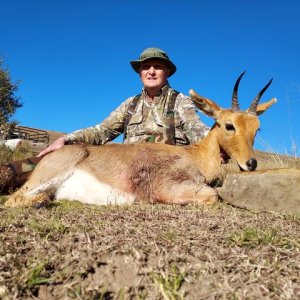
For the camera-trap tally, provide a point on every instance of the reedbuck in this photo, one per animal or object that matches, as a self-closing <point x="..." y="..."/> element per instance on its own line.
<point x="155" y="173"/>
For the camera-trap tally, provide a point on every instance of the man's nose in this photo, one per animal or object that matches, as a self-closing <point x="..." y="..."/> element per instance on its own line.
<point x="151" y="70"/>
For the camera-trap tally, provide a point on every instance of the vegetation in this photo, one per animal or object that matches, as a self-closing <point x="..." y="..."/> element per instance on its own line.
<point x="74" y="251"/>
<point x="9" y="102"/>
<point x="22" y="152"/>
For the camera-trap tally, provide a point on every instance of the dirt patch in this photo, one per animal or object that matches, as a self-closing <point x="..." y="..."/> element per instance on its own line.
<point x="75" y="251"/>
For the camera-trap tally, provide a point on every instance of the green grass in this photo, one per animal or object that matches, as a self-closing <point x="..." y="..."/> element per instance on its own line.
<point x="169" y="283"/>
<point x="48" y="227"/>
<point x="36" y="275"/>
<point x="252" y="237"/>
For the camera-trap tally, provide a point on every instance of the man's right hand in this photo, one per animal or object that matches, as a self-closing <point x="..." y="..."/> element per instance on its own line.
<point x="59" y="143"/>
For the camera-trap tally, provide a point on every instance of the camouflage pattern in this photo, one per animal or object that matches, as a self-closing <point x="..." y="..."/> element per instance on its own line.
<point x="148" y="123"/>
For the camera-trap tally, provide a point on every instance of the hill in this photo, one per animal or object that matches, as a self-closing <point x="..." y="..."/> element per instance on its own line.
<point x="53" y="135"/>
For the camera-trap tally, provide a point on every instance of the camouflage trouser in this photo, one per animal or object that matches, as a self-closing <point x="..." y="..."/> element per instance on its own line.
<point x="14" y="174"/>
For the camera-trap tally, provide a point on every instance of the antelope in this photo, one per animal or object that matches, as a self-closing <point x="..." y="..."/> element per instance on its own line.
<point x="148" y="172"/>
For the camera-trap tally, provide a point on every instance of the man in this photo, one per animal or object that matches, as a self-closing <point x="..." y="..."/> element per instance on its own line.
<point x="159" y="114"/>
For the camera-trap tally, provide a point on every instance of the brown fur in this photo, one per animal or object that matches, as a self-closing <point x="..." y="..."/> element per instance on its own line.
<point x="151" y="172"/>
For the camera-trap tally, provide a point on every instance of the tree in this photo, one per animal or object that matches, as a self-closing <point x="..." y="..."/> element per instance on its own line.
<point x="9" y="102"/>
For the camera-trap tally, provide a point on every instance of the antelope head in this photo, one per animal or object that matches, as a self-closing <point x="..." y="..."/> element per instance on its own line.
<point x="235" y="129"/>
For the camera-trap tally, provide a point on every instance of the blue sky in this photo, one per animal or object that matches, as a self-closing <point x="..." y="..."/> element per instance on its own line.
<point x="72" y="57"/>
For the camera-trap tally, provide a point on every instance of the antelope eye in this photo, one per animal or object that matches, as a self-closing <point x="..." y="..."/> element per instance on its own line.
<point x="229" y="127"/>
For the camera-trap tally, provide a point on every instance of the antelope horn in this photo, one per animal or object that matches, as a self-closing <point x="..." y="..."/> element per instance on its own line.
<point x="235" y="103"/>
<point x="253" y="106"/>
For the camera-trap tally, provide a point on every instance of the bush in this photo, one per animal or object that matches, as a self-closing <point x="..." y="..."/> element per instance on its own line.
<point x="21" y="152"/>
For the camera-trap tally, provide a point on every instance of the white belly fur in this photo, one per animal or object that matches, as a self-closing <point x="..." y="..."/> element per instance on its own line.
<point x="85" y="188"/>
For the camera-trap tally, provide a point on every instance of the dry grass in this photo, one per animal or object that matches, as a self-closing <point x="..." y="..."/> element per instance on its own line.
<point x="271" y="160"/>
<point x="266" y="160"/>
<point x="75" y="251"/>
<point x="23" y="151"/>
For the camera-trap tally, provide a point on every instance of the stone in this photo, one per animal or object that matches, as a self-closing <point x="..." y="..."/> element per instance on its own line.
<point x="276" y="190"/>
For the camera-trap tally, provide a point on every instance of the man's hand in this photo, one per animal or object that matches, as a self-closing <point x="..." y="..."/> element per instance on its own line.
<point x="59" y="143"/>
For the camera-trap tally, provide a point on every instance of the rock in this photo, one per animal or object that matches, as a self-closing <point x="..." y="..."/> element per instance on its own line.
<point x="265" y="190"/>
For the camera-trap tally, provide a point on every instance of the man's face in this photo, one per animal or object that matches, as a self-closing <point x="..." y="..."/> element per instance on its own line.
<point x="154" y="74"/>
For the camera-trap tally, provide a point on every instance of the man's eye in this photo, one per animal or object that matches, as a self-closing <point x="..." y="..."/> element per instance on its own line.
<point x="145" y="67"/>
<point x="155" y="67"/>
<point x="158" y="67"/>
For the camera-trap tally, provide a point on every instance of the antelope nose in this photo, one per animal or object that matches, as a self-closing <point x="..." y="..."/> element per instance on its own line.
<point x="251" y="164"/>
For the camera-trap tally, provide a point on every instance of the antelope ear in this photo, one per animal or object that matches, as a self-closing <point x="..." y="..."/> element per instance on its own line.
<point x="206" y="105"/>
<point x="261" y="108"/>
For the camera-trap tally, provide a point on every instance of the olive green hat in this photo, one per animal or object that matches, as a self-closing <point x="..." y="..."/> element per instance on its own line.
<point x="153" y="53"/>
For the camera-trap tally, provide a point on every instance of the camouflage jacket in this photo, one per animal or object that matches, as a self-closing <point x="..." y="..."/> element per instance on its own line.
<point x="147" y="123"/>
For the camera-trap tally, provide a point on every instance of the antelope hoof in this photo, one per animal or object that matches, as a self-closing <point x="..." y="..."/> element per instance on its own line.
<point x="208" y="198"/>
<point x="37" y="201"/>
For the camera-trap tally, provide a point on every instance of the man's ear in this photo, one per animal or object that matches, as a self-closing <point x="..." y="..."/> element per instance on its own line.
<point x="207" y="106"/>
<point x="168" y="72"/>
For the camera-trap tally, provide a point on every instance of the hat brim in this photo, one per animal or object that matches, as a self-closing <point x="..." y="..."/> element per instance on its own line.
<point x="137" y="63"/>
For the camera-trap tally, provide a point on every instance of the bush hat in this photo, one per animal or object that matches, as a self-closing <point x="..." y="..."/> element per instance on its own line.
<point x="156" y="53"/>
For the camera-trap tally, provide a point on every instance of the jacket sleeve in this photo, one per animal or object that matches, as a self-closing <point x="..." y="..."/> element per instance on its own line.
<point x="190" y="122"/>
<point x="106" y="131"/>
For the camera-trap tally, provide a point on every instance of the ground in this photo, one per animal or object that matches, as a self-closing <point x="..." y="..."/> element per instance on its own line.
<point x="75" y="251"/>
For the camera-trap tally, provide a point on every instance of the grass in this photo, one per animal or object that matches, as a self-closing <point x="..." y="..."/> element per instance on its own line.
<point x="89" y="252"/>
<point x="252" y="237"/>
<point x="24" y="151"/>
<point x="75" y="251"/>
<point x="36" y="275"/>
<point x="48" y="227"/>
<point x="169" y="283"/>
